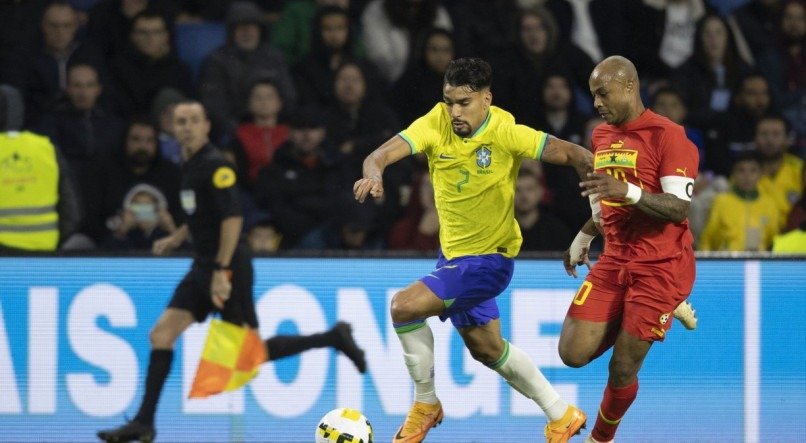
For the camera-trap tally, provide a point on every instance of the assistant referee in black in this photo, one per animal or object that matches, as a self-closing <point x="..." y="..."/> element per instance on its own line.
<point x="221" y="276"/>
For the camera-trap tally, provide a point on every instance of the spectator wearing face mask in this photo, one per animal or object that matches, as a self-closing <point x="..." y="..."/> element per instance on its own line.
<point x="142" y="219"/>
<point x="139" y="162"/>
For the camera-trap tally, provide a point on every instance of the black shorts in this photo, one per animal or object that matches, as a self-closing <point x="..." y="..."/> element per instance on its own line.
<point x="193" y="292"/>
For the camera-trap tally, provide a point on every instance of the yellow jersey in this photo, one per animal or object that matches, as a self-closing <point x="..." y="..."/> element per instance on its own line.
<point x="738" y="224"/>
<point x="474" y="179"/>
<point x="785" y="186"/>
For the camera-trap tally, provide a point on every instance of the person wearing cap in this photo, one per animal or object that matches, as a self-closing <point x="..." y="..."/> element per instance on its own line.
<point x="228" y="72"/>
<point x="296" y="188"/>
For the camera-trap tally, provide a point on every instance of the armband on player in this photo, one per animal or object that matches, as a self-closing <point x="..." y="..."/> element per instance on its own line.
<point x="680" y="187"/>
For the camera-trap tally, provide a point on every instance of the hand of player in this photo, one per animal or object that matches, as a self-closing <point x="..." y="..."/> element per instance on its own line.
<point x="164" y="245"/>
<point x="605" y="185"/>
<point x="571" y="265"/>
<point x="368" y="186"/>
<point x="220" y="288"/>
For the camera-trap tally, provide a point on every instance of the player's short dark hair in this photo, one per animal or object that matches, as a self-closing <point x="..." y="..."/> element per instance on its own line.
<point x="190" y="101"/>
<point x="472" y="72"/>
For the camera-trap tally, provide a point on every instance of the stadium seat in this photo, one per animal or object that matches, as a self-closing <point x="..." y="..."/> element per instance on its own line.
<point x="194" y="41"/>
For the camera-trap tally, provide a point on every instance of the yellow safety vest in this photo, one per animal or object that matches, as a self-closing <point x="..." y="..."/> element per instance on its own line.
<point x="29" y="191"/>
<point x="791" y="242"/>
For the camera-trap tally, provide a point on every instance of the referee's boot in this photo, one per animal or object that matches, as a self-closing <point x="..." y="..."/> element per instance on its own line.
<point x="132" y="431"/>
<point x="345" y="343"/>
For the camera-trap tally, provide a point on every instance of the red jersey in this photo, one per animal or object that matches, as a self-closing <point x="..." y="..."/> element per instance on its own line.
<point x="641" y="152"/>
<point x="259" y="145"/>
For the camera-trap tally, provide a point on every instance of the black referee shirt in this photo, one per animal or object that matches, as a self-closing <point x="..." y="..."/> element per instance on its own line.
<point x="209" y="195"/>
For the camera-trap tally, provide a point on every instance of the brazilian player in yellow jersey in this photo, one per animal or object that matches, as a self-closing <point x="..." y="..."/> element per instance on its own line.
<point x="474" y="151"/>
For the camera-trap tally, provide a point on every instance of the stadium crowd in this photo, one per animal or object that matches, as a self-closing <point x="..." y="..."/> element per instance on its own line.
<point x="300" y="91"/>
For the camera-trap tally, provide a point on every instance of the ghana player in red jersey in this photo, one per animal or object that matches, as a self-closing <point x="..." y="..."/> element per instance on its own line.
<point x="644" y="171"/>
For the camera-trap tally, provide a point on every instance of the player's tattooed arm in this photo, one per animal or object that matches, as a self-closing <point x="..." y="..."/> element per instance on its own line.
<point x="664" y="206"/>
<point x="561" y="152"/>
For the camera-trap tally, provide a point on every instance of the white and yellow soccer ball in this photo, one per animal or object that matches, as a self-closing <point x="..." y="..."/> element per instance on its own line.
<point x="344" y="425"/>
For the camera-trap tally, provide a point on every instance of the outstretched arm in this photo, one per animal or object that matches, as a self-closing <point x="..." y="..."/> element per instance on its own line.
<point x="560" y="152"/>
<point x="388" y="153"/>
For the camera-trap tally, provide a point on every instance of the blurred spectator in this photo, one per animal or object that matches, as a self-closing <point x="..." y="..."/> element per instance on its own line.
<point x="735" y="131"/>
<point x="390" y="26"/>
<point x="359" y="121"/>
<point x="482" y="28"/>
<point x="660" y="35"/>
<point x="257" y="139"/>
<point x="596" y="26"/>
<point x="229" y="71"/>
<point x="354" y="226"/>
<point x="41" y="70"/>
<point x="162" y="109"/>
<point x="86" y="134"/>
<point x="707" y="78"/>
<point x="110" y="22"/>
<point x="669" y="103"/>
<point x="148" y="65"/>
<point x="522" y="69"/>
<point x="781" y="171"/>
<point x="297" y="187"/>
<point x="784" y="61"/>
<point x="557" y="116"/>
<point x="84" y="131"/>
<point x="198" y="11"/>
<point x="757" y="21"/>
<point x="138" y="163"/>
<point x="293" y="31"/>
<point x="16" y="31"/>
<point x="332" y="44"/>
<point x="142" y="219"/>
<point x="38" y="206"/>
<point x="541" y="230"/>
<point x="419" y="228"/>
<point x="797" y="215"/>
<point x="743" y="219"/>
<point x="794" y="240"/>
<point x="420" y="86"/>
<point x="263" y="237"/>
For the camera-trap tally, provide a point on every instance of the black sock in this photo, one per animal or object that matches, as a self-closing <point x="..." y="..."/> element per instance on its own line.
<point x="158" y="367"/>
<point x="286" y="345"/>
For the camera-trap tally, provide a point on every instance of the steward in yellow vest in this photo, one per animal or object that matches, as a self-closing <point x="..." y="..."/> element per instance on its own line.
<point x="29" y="185"/>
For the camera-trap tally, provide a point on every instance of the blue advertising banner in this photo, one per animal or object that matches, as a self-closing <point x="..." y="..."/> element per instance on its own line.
<point x="74" y="350"/>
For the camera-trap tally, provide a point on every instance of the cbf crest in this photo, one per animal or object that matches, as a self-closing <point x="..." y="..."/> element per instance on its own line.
<point x="484" y="157"/>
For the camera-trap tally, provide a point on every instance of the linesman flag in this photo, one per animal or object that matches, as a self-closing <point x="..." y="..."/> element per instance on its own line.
<point x="231" y="357"/>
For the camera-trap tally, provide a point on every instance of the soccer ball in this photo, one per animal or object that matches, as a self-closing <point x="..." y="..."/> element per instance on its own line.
<point x="344" y="425"/>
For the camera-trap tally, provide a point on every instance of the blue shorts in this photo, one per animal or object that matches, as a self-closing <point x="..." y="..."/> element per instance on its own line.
<point x="468" y="286"/>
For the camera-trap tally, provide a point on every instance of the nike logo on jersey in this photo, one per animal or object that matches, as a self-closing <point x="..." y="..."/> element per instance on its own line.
<point x="446" y="157"/>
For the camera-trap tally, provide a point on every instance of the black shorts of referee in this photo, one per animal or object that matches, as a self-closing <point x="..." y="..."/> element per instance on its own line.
<point x="193" y="292"/>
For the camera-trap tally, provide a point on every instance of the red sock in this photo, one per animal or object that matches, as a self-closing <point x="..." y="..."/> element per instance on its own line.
<point x="614" y="405"/>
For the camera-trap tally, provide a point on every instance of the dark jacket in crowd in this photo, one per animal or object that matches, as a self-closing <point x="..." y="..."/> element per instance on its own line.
<point x="297" y="193"/>
<point x="138" y="79"/>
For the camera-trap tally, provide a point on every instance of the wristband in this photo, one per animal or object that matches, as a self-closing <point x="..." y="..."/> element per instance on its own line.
<point x="596" y="208"/>
<point x="633" y="194"/>
<point x="581" y="241"/>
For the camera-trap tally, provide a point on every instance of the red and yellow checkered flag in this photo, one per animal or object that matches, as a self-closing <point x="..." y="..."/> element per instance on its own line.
<point x="231" y="357"/>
